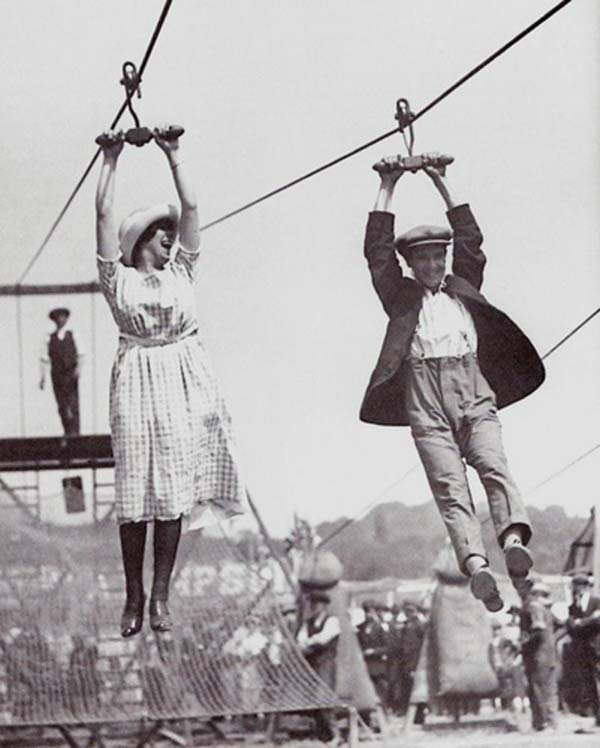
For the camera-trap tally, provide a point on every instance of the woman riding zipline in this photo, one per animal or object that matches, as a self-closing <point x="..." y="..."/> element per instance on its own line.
<point x="171" y="431"/>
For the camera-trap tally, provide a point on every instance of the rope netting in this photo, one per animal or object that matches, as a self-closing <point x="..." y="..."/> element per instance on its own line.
<point x="63" y="661"/>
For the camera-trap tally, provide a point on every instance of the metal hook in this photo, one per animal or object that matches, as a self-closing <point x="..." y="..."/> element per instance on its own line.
<point x="404" y="117"/>
<point x="131" y="81"/>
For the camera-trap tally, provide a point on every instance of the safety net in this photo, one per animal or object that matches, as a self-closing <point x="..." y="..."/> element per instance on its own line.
<point x="63" y="660"/>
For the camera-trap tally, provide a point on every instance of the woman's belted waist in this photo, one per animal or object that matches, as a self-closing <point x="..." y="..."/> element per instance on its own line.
<point x="158" y="341"/>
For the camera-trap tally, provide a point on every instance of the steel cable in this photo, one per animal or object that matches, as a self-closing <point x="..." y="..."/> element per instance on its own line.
<point x="528" y="30"/>
<point x="90" y="166"/>
<point x="431" y="105"/>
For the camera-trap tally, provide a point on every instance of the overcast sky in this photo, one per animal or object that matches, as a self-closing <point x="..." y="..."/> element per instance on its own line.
<point x="267" y="90"/>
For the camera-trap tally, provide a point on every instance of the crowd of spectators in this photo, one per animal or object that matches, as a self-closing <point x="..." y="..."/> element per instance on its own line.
<point x="545" y="663"/>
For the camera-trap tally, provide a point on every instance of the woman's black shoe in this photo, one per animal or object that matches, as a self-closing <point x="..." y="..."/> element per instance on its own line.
<point x="160" y="618"/>
<point x="132" y="618"/>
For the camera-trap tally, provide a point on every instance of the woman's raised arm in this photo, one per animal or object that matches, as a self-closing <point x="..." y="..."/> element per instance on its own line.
<point x="106" y="229"/>
<point x="189" y="233"/>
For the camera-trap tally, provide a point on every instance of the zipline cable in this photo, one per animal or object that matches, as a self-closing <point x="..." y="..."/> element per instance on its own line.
<point x="313" y="172"/>
<point x="550" y="478"/>
<point x="431" y="105"/>
<point x="363" y="511"/>
<point x="397" y="482"/>
<point x="145" y="60"/>
<point x="563" y="469"/>
<point x="570" y="334"/>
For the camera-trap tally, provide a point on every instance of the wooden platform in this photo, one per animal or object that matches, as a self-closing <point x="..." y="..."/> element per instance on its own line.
<point x="56" y="453"/>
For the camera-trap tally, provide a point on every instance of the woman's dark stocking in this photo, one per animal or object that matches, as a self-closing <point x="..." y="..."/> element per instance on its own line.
<point x="166" y="541"/>
<point x="133" y="543"/>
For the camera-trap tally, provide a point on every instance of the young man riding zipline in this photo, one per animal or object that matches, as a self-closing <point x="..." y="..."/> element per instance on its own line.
<point x="449" y="360"/>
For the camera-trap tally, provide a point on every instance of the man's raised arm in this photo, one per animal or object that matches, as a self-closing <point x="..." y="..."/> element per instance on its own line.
<point x="379" y="238"/>
<point x="468" y="260"/>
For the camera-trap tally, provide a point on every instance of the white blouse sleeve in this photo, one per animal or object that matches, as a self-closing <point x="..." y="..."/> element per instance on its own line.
<point x="189" y="261"/>
<point x="108" y="272"/>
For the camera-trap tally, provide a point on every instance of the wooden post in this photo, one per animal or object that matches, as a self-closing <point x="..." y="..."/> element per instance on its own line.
<point x="409" y="718"/>
<point x="596" y="547"/>
<point x="352" y="727"/>
<point x="21" y="368"/>
<point x="383" y="725"/>
<point x="271" y="545"/>
<point x="93" y="365"/>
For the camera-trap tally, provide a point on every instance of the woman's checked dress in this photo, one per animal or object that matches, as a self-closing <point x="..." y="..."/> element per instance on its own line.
<point x="171" y="431"/>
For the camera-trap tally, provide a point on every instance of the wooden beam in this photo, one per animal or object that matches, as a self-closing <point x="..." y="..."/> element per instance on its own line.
<point x="49" y="289"/>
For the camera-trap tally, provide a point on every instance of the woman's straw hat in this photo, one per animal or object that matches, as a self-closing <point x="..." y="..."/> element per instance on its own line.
<point x="137" y="222"/>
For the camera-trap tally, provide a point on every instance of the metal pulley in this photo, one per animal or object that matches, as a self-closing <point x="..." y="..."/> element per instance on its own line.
<point x="415" y="163"/>
<point x="137" y="135"/>
<point x="404" y="117"/>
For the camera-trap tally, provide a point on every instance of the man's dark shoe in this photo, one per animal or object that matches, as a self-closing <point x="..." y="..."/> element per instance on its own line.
<point x="484" y="588"/>
<point x="518" y="560"/>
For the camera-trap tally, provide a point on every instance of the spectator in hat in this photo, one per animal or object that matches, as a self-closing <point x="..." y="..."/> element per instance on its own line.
<point x="411" y="642"/>
<point x="318" y="639"/>
<point x="64" y="356"/>
<point x="171" y="430"/>
<point x="393" y="657"/>
<point x="539" y="656"/>
<point x="583" y="626"/>
<point x="449" y="361"/>
<point x="372" y="638"/>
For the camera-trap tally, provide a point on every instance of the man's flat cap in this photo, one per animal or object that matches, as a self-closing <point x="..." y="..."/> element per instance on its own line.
<point x="319" y="596"/>
<point x="60" y="311"/>
<point x="540" y="588"/>
<point x="583" y="579"/>
<point x="421" y="236"/>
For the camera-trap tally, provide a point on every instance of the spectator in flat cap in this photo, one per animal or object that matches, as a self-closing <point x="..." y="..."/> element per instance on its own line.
<point x="64" y="356"/>
<point x="583" y="626"/>
<point x="449" y="360"/>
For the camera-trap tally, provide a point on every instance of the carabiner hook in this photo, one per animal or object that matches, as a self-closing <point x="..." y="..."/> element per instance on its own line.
<point x="404" y="117"/>
<point x="131" y="81"/>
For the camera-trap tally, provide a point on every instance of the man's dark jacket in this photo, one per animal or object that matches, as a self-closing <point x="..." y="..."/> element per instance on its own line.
<point x="507" y="358"/>
<point x="587" y="633"/>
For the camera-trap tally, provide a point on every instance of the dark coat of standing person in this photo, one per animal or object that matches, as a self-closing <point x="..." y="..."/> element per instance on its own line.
<point x="171" y="430"/>
<point x="538" y="647"/>
<point x="583" y="626"/>
<point x="393" y="652"/>
<point x="411" y="642"/>
<point x="372" y="637"/>
<point x="65" y="357"/>
<point x="448" y="361"/>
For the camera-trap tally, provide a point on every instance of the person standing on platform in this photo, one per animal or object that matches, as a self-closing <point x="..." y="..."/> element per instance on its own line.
<point x="64" y="356"/>
<point x="171" y="430"/>
<point x="318" y="639"/>
<point x="449" y="360"/>
<point x="538" y="648"/>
